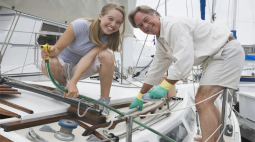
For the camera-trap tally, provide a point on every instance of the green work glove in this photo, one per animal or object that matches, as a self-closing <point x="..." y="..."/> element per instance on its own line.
<point x="161" y="90"/>
<point x="137" y="102"/>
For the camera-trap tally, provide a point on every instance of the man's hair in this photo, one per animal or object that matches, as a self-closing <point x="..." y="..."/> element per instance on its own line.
<point x="142" y="8"/>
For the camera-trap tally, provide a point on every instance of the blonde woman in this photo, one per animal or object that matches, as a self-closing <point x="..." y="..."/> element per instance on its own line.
<point x="81" y="51"/>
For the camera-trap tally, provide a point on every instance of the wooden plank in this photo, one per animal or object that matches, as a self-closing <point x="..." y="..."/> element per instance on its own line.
<point x="86" y="126"/>
<point x="9" y="92"/>
<point x="4" y="139"/>
<point x="9" y="113"/>
<point x="5" y="86"/>
<point x="8" y="89"/>
<point x="11" y="126"/>
<point x="152" y="110"/>
<point x="88" y="117"/>
<point x="121" y="105"/>
<point x="46" y="87"/>
<point x="16" y="106"/>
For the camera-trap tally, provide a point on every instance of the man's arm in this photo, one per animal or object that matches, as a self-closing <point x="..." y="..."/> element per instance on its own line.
<point x="159" y="66"/>
<point x="181" y="42"/>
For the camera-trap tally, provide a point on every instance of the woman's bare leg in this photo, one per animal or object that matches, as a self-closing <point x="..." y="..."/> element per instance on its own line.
<point x="106" y="72"/>
<point x="56" y="69"/>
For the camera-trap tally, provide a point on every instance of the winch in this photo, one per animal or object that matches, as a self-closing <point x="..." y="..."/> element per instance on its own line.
<point x="65" y="133"/>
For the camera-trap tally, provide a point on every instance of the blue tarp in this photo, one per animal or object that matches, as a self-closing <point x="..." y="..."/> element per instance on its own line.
<point x="250" y="57"/>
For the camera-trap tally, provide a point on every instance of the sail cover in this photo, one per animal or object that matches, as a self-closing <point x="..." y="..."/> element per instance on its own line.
<point x="66" y="11"/>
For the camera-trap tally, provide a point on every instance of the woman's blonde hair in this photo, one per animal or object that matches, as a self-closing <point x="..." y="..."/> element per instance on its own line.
<point x="113" y="39"/>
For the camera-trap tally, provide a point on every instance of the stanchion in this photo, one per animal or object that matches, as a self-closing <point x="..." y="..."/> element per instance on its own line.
<point x="224" y="99"/>
<point x="129" y="126"/>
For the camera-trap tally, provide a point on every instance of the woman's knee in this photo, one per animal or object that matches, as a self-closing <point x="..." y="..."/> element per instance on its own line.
<point x="106" y="57"/>
<point x="55" y="67"/>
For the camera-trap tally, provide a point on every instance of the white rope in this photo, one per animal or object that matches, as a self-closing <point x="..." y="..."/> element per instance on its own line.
<point x="183" y="108"/>
<point x="213" y="133"/>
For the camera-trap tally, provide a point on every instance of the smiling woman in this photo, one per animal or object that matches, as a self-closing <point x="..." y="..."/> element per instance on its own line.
<point x="81" y="51"/>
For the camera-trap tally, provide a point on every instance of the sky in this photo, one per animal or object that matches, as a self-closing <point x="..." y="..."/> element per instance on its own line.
<point x="224" y="15"/>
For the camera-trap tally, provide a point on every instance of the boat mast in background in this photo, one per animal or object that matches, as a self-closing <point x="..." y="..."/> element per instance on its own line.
<point x="234" y="18"/>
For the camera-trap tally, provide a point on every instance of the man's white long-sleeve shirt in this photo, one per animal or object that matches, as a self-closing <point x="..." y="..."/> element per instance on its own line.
<point x="186" y="41"/>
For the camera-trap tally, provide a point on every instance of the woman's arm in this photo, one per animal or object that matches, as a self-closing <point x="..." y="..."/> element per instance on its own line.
<point x="81" y="67"/>
<point x="66" y="39"/>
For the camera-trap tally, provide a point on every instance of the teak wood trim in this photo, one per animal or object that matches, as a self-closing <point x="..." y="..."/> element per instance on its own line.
<point x="11" y="126"/>
<point x="4" y="139"/>
<point x="46" y="87"/>
<point x="8" y="89"/>
<point x="92" y="129"/>
<point x="5" y="86"/>
<point x="121" y="105"/>
<point x="16" y="106"/>
<point x="9" y="113"/>
<point x="86" y="126"/>
<point x="89" y="117"/>
<point x="152" y="110"/>
<point x="9" y="92"/>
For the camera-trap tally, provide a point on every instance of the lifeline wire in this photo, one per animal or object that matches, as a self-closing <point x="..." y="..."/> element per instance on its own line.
<point x="183" y="108"/>
<point x="213" y="133"/>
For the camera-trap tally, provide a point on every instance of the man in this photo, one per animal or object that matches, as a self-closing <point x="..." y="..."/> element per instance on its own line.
<point x="190" y="42"/>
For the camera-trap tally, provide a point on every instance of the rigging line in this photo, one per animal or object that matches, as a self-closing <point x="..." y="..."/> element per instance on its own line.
<point x="18" y="67"/>
<point x="208" y="2"/>
<point x="228" y="14"/>
<point x="8" y="31"/>
<point x="144" y="43"/>
<point x="133" y="78"/>
<point x="193" y="82"/>
<point x="187" y="8"/>
<point x="27" y="51"/>
<point x="213" y="133"/>
<point x="219" y="9"/>
<point x="252" y="7"/>
<point x="11" y="35"/>
<point x="192" y="9"/>
<point x="223" y="130"/>
<point x="185" y="107"/>
<point x="161" y="4"/>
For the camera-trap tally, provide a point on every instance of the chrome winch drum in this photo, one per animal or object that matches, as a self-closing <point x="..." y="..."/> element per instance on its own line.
<point x="65" y="133"/>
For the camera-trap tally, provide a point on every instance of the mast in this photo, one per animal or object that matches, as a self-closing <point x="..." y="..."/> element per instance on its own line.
<point x="202" y="9"/>
<point x="234" y="18"/>
<point x="213" y="11"/>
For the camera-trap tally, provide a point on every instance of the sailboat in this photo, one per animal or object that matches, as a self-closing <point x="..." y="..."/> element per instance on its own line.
<point x="31" y="110"/>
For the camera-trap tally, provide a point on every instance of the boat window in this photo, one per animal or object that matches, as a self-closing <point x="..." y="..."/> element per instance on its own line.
<point x="50" y="34"/>
<point x="179" y="133"/>
<point x="52" y="28"/>
<point x="50" y="39"/>
<point x="190" y="118"/>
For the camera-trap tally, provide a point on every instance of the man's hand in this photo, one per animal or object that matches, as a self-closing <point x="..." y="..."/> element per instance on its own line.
<point x="72" y="90"/>
<point x="161" y="90"/>
<point x="137" y="102"/>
